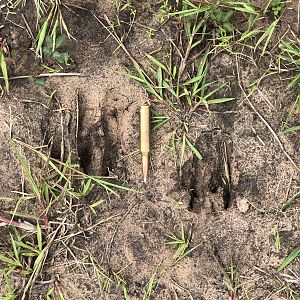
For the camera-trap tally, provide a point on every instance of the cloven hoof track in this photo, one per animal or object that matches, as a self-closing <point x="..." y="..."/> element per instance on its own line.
<point x="98" y="143"/>
<point x="206" y="179"/>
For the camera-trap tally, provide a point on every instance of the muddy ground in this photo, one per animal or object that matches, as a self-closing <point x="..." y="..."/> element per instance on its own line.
<point x="104" y="103"/>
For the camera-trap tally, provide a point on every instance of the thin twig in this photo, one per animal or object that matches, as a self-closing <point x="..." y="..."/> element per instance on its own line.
<point x="298" y="16"/>
<point x="44" y="75"/>
<point x="77" y="119"/>
<point x="28" y="27"/>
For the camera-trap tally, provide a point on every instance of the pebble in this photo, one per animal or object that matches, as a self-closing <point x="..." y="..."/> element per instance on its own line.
<point x="243" y="205"/>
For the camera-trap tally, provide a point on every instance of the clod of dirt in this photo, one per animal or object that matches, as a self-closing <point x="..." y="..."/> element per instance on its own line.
<point x="243" y="205"/>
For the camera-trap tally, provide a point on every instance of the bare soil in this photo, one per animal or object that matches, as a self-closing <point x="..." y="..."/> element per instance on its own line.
<point x="104" y="103"/>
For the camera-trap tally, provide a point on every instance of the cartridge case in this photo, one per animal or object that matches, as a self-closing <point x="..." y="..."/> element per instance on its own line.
<point x="145" y="139"/>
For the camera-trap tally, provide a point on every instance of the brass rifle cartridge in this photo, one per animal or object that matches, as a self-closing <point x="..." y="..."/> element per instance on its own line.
<point x="145" y="130"/>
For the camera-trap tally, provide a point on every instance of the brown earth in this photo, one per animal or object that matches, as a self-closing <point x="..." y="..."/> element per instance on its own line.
<point x="105" y="103"/>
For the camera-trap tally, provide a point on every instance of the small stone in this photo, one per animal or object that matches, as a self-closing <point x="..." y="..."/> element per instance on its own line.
<point x="243" y="205"/>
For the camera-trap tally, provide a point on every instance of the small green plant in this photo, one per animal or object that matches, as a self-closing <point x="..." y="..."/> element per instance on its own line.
<point x="163" y="13"/>
<point x="190" y="8"/>
<point x="218" y="13"/>
<point x="230" y="280"/>
<point x="290" y="60"/>
<point x="53" y="19"/>
<point x="290" y="56"/>
<point x="106" y="281"/>
<point x="277" y="7"/>
<point x="177" y="203"/>
<point x="61" y="180"/>
<point x="151" y="33"/>
<point x="51" y="49"/>
<point x="182" y="244"/>
<point x="287" y="124"/>
<point x="221" y="19"/>
<point x="124" y="6"/>
<point x="24" y="256"/>
<point x="152" y="284"/>
<point x="16" y="259"/>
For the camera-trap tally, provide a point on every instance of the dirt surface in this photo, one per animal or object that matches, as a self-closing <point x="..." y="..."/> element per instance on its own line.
<point x="95" y="117"/>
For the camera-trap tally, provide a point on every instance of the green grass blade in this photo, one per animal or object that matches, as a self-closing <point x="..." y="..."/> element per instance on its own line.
<point x="10" y="261"/>
<point x="151" y="286"/>
<point x="159" y="76"/>
<point x="157" y="63"/>
<point x="15" y="248"/>
<point x="194" y="79"/>
<point x="266" y="36"/>
<point x="249" y="34"/>
<point x="136" y="78"/>
<point x="242" y="6"/>
<point x="4" y="71"/>
<point x="39" y="237"/>
<point x="294" y="82"/>
<point x="28" y="247"/>
<point x="290" y="201"/>
<point x="292" y="129"/>
<point x="214" y="91"/>
<point x="126" y="297"/>
<point x="194" y="150"/>
<point x="41" y="37"/>
<point x="185" y="253"/>
<point x="96" y="204"/>
<point x="289" y="259"/>
<point x="170" y="89"/>
<point x="108" y="185"/>
<point x="145" y="81"/>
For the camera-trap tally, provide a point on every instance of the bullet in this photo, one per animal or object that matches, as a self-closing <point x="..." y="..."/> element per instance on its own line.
<point x="145" y="116"/>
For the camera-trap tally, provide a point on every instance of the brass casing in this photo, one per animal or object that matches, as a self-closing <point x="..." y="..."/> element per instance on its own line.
<point x="145" y="139"/>
<point x="145" y="115"/>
